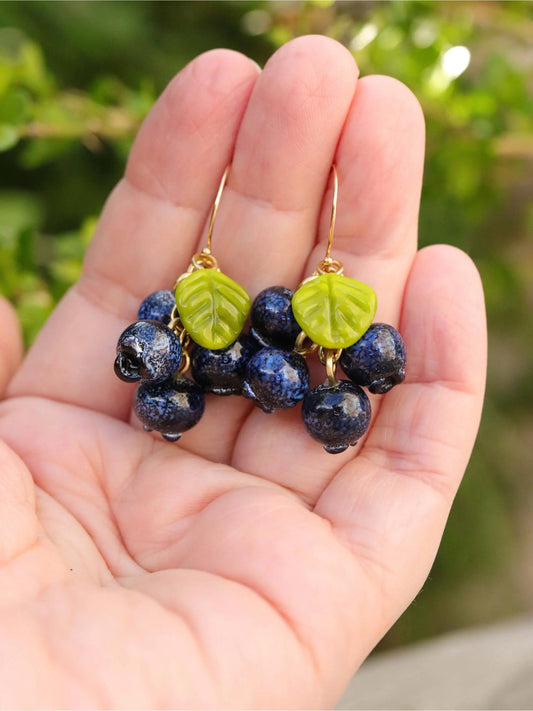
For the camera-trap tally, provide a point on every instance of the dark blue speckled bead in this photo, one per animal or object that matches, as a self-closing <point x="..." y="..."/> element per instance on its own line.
<point x="222" y="371"/>
<point x="147" y="350"/>
<point x="276" y="379"/>
<point x="273" y="323"/>
<point x="336" y="415"/>
<point x="377" y="360"/>
<point x="170" y="407"/>
<point x="158" y="306"/>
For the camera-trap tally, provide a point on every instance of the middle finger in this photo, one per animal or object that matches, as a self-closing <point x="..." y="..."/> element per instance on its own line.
<point x="271" y="206"/>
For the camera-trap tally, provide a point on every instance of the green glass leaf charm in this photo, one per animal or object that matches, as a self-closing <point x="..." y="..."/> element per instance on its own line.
<point x="212" y="307"/>
<point x="333" y="310"/>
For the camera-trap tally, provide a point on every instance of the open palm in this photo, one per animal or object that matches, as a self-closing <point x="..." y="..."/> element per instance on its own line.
<point x="244" y="566"/>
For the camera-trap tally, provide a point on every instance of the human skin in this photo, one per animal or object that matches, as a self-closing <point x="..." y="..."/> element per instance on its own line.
<point x="243" y="567"/>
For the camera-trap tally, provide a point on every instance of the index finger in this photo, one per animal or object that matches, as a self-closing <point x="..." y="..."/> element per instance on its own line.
<point x="146" y="234"/>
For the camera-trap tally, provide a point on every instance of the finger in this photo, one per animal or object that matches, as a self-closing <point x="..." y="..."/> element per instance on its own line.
<point x="269" y="211"/>
<point x="10" y="343"/>
<point x="390" y="505"/>
<point x="172" y="175"/>
<point x="380" y="165"/>
<point x="282" y="160"/>
<point x="380" y="160"/>
<point x="20" y="526"/>
<point x="147" y="232"/>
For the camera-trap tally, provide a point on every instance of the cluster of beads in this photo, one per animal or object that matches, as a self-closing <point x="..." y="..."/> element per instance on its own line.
<point x="198" y="329"/>
<point x="268" y="365"/>
<point x="336" y="413"/>
<point x="151" y="353"/>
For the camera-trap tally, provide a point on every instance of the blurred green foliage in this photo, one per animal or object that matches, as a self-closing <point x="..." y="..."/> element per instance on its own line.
<point x="76" y="80"/>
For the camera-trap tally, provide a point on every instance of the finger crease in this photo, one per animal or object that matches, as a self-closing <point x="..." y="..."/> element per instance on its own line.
<point x="269" y="204"/>
<point x="130" y="182"/>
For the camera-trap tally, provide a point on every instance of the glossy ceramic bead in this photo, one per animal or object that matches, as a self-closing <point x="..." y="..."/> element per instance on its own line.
<point x="170" y="407"/>
<point x="377" y="360"/>
<point x="337" y="416"/>
<point x="222" y="371"/>
<point x="147" y="350"/>
<point x="157" y="306"/>
<point x="276" y="379"/>
<point x="273" y="322"/>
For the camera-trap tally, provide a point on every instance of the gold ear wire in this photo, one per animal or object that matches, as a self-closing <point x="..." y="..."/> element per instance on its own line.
<point x="207" y="249"/>
<point x="329" y="265"/>
<point x="204" y="259"/>
<point x="210" y="306"/>
<point x="333" y="212"/>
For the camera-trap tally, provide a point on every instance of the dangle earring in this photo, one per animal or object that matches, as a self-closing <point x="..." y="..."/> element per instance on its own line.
<point x="209" y="309"/>
<point x="213" y="308"/>
<point x="332" y="315"/>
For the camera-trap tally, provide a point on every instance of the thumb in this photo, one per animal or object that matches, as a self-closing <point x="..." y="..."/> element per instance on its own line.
<point x="17" y="498"/>
<point x="10" y="344"/>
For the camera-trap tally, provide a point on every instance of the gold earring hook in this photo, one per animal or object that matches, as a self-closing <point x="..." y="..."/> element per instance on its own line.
<point x="333" y="212"/>
<point x="204" y="259"/>
<point x="207" y="249"/>
<point x="329" y="265"/>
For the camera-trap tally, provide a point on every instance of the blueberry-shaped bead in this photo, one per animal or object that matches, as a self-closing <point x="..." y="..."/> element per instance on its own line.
<point x="273" y="323"/>
<point x="276" y="379"/>
<point x="147" y="350"/>
<point x="337" y="416"/>
<point x="158" y="306"/>
<point x="377" y="360"/>
<point x="222" y="371"/>
<point x="170" y="407"/>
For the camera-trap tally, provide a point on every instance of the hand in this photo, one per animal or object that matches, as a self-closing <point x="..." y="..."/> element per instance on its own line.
<point x="244" y="566"/>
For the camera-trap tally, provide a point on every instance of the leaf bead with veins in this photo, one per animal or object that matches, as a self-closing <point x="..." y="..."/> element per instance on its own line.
<point x="212" y="307"/>
<point x="333" y="310"/>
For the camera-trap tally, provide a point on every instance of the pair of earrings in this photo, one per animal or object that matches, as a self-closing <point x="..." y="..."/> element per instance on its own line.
<point x="198" y="329"/>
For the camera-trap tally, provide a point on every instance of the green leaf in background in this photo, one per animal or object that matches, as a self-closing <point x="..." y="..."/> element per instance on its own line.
<point x="212" y="307"/>
<point x="26" y="250"/>
<point x="19" y="210"/>
<point x="14" y="106"/>
<point x="333" y="310"/>
<point x="9" y="136"/>
<point x="41" y="151"/>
